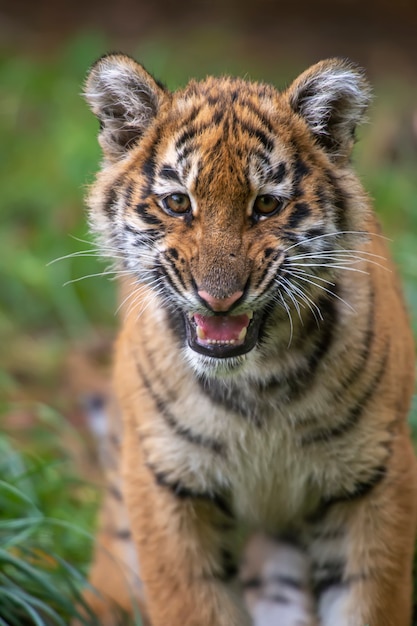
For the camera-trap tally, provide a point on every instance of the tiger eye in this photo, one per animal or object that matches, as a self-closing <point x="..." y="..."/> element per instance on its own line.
<point x="267" y="204"/>
<point x="178" y="203"/>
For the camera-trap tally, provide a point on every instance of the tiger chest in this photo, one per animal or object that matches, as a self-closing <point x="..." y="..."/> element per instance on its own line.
<point x="210" y="450"/>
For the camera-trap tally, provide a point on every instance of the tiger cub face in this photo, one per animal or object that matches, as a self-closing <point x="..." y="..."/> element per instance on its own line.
<point x="229" y="199"/>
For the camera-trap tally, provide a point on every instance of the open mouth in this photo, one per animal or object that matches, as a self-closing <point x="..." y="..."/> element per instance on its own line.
<point x="222" y="336"/>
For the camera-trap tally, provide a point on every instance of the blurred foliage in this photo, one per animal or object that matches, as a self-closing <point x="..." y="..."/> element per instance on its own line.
<point x="49" y="153"/>
<point x="40" y="497"/>
<point x="47" y="517"/>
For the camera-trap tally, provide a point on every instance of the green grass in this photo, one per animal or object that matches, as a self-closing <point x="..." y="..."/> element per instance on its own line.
<point x="40" y="497"/>
<point x="49" y="154"/>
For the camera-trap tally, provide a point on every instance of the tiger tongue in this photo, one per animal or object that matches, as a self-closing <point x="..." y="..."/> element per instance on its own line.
<point x="221" y="328"/>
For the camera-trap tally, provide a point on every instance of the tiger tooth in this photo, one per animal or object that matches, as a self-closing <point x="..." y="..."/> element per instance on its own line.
<point x="250" y="314"/>
<point x="242" y="334"/>
<point x="200" y="333"/>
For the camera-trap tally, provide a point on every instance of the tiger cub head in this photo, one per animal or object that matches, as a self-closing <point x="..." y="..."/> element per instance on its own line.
<point x="228" y="198"/>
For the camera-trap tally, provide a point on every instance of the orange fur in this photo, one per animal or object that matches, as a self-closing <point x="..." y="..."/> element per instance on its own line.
<point x="223" y="200"/>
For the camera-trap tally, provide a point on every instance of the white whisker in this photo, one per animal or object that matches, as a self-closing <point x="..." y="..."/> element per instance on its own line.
<point x="325" y="235"/>
<point x="309" y="302"/>
<point x="329" y="291"/>
<point x="287" y="288"/>
<point x="285" y="305"/>
<point x="331" y="265"/>
<point x="341" y="251"/>
<point x="323" y="280"/>
<point x="113" y="273"/>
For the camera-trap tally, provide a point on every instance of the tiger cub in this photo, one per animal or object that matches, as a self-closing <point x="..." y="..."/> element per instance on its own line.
<point x="265" y="363"/>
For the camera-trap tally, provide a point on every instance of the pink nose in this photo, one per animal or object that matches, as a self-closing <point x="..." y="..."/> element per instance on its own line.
<point x="220" y="304"/>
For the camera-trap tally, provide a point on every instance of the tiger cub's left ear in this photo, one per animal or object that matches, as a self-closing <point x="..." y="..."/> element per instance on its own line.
<point x="332" y="97"/>
<point x="125" y="98"/>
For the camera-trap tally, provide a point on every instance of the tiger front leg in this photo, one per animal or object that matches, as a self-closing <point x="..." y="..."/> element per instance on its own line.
<point x="180" y="540"/>
<point x="362" y="550"/>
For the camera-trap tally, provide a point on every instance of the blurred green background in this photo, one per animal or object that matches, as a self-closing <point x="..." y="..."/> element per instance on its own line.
<point x="55" y="336"/>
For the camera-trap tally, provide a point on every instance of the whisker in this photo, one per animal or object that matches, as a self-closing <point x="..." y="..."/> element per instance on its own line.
<point x="331" y="265"/>
<point x="341" y="251"/>
<point x="289" y="318"/>
<point x="290" y="295"/>
<point x="143" y="290"/>
<point x="131" y="293"/>
<point x="84" y="253"/>
<point x="309" y="302"/>
<point x="329" y="291"/>
<point x="335" y="234"/>
<point x="323" y="280"/>
<point x="114" y="273"/>
<point x="340" y="256"/>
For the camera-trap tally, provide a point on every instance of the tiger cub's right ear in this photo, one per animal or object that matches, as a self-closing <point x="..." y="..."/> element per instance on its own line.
<point x="125" y="98"/>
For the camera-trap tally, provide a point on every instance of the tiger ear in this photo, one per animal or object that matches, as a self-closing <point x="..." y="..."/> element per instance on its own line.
<point x="125" y="98"/>
<point x="332" y="97"/>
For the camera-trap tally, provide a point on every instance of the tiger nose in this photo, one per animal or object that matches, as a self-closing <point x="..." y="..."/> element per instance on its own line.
<point x="220" y="304"/>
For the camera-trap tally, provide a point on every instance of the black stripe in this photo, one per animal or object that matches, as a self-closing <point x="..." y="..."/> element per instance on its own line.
<point x="169" y="173"/>
<point x="218" y="116"/>
<point x="229" y="566"/>
<point x="286" y="581"/>
<point x="303" y="378"/>
<point x="191" y="116"/>
<point x="354" y="414"/>
<point x="111" y="198"/>
<point x="214" y="149"/>
<point x="360" y="489"/>
<point x="271" y="283"/>
<point x="263" y="275"/>
<point x="263" y="119"/>
<point x="123" y="534"/>
<point x="278" y="598"/>
<point x="301" y="211"/>
<point x="212" y="100"/>
<point x="253" y="131"/>
<point x="313" y="233"/>
<point x="279" y="174"/>
<point x="115" y="492"/>
<point x="300" y="171"/>
<point x="145" y="236"/>
<point x="292" y="237"/>
<point x="328" y="308"/>
<point x="183" y="492"/>
<point x="181" y="431"/>
<point x="190" y="132"/>
<point x="173" y="253"/>
<point x="262" y="156"/>
<point x="229" y="399"/>
<point x="331" y="575"/>
<point x="171" y="266"/>
<point x="252" y="583"/>
<point x="168" y="281"/>
<point x="128" y="193"/>
<point x="142" y="209"/>
<point x="322" y="196"/>
<point x="365" y="351"/>
<point x="175" y="316"/>
<point x="186" y="151"/>
<point x="148" y="167"/>
<point x="339" y="202"/>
